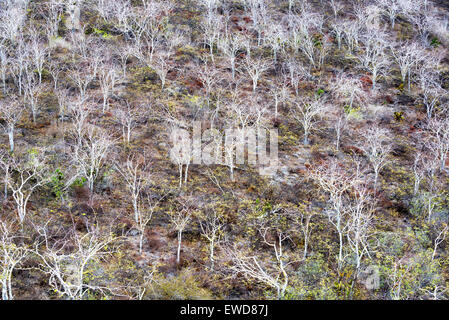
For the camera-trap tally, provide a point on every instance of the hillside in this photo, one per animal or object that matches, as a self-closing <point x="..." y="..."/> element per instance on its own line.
<point x="224" y="149"/>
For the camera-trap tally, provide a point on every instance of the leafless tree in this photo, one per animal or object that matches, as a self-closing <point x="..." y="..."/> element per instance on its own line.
<point x="439" y="139"/>
<point x="304" y="27"/>
<point x="340" y="123"/>
<point x="25" y="172"/>
<point x="4" y="65"/>
<point x="124" y="53"/>
<point x="12" y="19"/>
<point x="302" y="216"/>
<point x="377" y="146"/>
<point x="32" y="91"/>
<point x="55" y="70"/>
<point x="335" y="181"/>
<point x="63" y="96"/>
<point x="212" y="230"/>
<point x="431" y="97"/>
<point x="306" y="112"/>
<point x="161" y="66"/>
<point x="39" y="52"/>
<point x="67" y="261"/>
<point x="407" y="55"/>
<point x="276" y="37"/>
<point x="181" y="153"/>
<point x="209" y="76"/>
<point x="11" y="112"/>
<point x="89" y="156"/>
<point x="128" y="116"/>
<point x="439" y="239"/>
<point x="336" y="6"/>
<point x="391" y="9"/>
<point x="53" y="11"/>
<point x="420" y="165"/>
<point x="108" y="76"/>
<point x="252" y="267"/>
<point x="361" y="211"/>
<point x="12" y="254"/>
<point x="136" y="175"/>
<point x="82" y="77"/>
<point x="352" y="34"/>
<point x="280" y="94"/>
<point x="375" y="59"/>
<point x="79" y="109"/>
<point x="211" y="25"/>
<point x="230" y="46"/>
<point x="145" y="216"/>
<point x="348" y="88"/>
<point x="255" y="68"/>
<point x="20" y="62"/>
<point x="296" y="73"/>
<point x="180" y="219"/>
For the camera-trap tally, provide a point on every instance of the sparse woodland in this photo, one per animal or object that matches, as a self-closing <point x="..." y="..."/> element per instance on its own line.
<point x="92" y="207"/>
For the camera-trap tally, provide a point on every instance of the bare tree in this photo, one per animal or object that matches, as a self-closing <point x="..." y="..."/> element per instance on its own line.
<point x="90" y="155"/>
<point x="180" y="219"/>
<point x="55" y="70"/>
<point x="306" y="112"/>
<point x="340" y="123"/>
<point x="54" y="10"/>
<point x="361" y="210"/>
<point x="39" y="52"/>
<point x="12" y="253"/>
<point x="431" y="97"/>
<point x="210" y="26"/>
<point x="67" y="261"/>
<point x="161" y="66"/>
<point x="145" y="216"/>
<point x="209" y="76"/>
<point x="124" y="53"/>
<point x="82" y="76"/>
<point x="32" y="91"/>
<point x="337" y="29"/>
<point x="11" y="112"/>
<point x="296" y="73"/>
<point x="4" y="65"/>
<point x="304" y="27"/>
<point x="439" y="139"/>
<point x="336" y="6"/>
<point x="375" y="59"/>
<point x="230" y="46"/>
<point x="128" y="116"/>
<point x="20" y="62"/>
<point x="276" y="37"/>
<point x="407" y="55"/>
<point x="439" y="239"/>
<point x="302" y="216"/>
<point x="352" y="34"/>
<point x="212" y="229"/>
<point x="12" y="18"/>
<point x="251" y="266"/>
<point x="420" y="166"/>
<point x="108" y="76"/>
<point x="26" y="172"/>
<point x="391" y="9"/>
<point x="335" y="181"/>
<point x="377" y="146"/>
<point x="181" y="153"/>
<point x="348" y="88"/>
<point x="136" y="175"/>
<point x="79" y="109"/>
